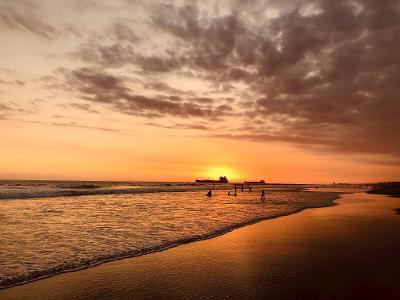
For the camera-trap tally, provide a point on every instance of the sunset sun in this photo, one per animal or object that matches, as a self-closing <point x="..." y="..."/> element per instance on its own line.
<point x="215" y="172"/>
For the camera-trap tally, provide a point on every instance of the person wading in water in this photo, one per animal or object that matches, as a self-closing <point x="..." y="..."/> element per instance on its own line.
<point x="262" y="196"/>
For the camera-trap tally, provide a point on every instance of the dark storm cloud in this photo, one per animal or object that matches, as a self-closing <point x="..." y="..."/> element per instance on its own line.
<point x="326" y="72"/>
<point x="101" y="87"/>
<point x="22" y="16"/>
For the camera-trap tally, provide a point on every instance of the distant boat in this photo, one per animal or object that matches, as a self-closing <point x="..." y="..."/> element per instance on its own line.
<point x="222" y="179"/>
<point x="255" y="182"/>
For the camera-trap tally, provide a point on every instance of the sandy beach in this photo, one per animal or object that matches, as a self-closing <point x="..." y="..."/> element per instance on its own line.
<point x="347" y="251"/>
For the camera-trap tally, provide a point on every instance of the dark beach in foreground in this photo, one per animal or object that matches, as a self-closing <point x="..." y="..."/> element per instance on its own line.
<point x="348" y="251"/>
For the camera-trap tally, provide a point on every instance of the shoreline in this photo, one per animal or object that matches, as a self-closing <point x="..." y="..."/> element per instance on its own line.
<point x="177" y="243"/>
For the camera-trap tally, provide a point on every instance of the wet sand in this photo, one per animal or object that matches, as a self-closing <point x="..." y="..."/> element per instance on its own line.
<point x="348" y="251"/>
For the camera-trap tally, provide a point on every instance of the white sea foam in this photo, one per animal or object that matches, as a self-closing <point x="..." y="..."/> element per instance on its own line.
<point x="45" y="236"/>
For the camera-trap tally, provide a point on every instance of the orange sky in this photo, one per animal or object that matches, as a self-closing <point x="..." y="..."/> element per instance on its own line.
<point x="38" y="151"/>
<point x="175" y="91"/>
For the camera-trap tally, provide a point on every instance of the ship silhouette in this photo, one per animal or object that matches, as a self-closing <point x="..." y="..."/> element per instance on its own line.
<point x="222" y="179"/>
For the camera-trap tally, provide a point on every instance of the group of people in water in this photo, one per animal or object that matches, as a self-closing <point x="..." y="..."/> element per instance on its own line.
<point x="262" y="198"/>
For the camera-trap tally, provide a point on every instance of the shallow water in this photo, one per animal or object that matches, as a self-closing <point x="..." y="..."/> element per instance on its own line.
<point x="45" y="236"/>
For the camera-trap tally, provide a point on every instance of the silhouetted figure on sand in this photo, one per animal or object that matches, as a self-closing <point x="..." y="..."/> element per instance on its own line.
<point x="242" y="187"/>
<point x="249" y="188"/>
<point x="229" y="193"/>
<point x="235" y="194"/>
<point x="262" y="196"/>
<point x="235" y="187"/>
<point x="209" y="194"/>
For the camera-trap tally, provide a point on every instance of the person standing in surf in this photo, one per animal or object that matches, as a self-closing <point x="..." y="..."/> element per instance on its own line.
<point x="262" y="196"/>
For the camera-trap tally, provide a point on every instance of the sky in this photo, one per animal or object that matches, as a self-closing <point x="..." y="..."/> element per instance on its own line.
<point x="285" y="91"/>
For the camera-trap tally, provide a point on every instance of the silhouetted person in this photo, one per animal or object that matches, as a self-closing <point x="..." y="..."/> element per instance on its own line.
<point x="262" y="196"/>
<point x="235" y="187"/>
<point x="209" y="194"/>
<point x="242" y="187"/>
<point x="235" y="194"/>
<point x="229" y="193"/>
<point x="249" y="188"/>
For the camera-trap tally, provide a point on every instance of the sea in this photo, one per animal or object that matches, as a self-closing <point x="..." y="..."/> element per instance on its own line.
<point x="51" y="227"/>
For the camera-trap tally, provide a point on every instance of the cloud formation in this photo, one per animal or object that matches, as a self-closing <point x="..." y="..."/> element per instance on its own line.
<point x="320" y="72"/>
<point x="324" y="71"/>
<point x="101" y="87"/>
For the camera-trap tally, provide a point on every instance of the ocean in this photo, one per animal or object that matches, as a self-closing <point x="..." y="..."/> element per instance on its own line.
<point x="51" y="227"/>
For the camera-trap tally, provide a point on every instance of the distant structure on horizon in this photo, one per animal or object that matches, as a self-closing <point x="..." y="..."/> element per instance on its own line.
<point x="222" y="179"/>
